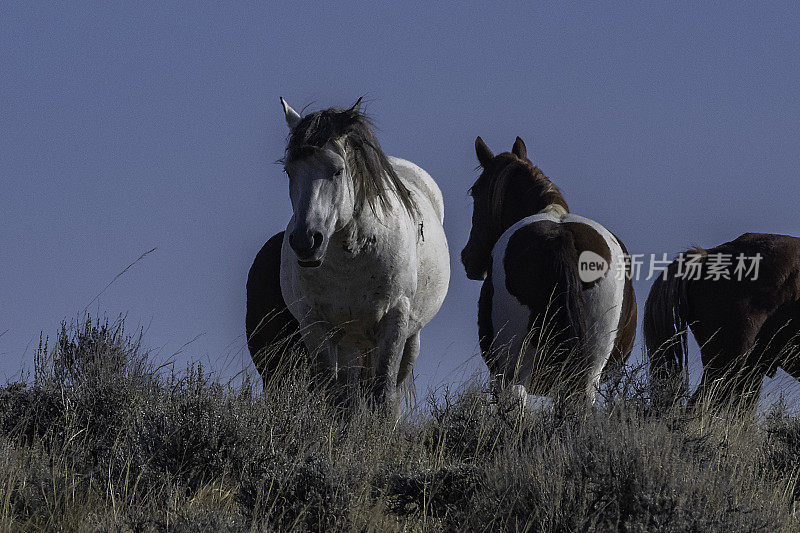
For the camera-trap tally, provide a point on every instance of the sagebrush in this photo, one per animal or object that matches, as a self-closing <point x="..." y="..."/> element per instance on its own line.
<point x="102" y="439"/>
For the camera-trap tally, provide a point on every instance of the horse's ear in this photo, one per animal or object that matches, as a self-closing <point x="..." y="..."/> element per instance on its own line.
<point x="485" y="155"/>
<point x="519" y="149"/>
<point x="357" y="106"/>
<point x="292" y="117"/>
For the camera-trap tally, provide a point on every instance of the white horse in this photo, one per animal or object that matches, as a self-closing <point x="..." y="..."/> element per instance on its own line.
<point x="364" y="264"/>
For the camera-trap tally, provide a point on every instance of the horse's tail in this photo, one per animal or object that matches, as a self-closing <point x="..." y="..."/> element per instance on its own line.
<point x="569" y="300"/>
<point x="665" y="323"/>
<point x="550" y="286"/>
<point x="564" y="321"/>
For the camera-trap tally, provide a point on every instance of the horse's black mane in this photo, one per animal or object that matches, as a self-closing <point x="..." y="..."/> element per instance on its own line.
<point x="373" y="175"/>
<point x="518" y="189"/>
<point x="539" y="186"/>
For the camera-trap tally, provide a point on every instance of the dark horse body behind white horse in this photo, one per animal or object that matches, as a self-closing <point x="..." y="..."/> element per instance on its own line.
<point x="273" y="334"/>
<point x="747" y="323"/>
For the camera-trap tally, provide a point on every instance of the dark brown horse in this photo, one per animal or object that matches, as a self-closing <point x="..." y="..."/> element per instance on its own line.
<point x="742" y="302"/>
<point x="272" y="331"/>
<point x="536" y="260"/>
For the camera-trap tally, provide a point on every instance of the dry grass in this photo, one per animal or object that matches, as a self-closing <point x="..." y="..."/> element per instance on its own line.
<point x="101" y="440"/>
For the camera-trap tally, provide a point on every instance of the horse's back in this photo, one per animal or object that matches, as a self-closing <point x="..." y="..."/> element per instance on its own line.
<point x="268" y="323"/>
<point x="569" y="235"/>
<point x="416" y="177"/>
<point x="535" y="276"/>
<point x="732" y="310"/>
<point x="769" y="275"/>
<point x="780" y="255"/>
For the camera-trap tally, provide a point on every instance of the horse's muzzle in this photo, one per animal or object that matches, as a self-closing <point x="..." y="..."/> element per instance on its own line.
<point x="308" y="248"/>
<point x="476" y="276"/>
<point x="474" y="273"/>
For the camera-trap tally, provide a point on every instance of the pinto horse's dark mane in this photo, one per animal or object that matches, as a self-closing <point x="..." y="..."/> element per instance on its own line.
<point x="516" y="188"/>
<point x="373" y="176"/>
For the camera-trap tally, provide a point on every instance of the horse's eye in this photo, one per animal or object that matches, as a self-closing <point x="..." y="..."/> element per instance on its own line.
<point x="338" y="173"/>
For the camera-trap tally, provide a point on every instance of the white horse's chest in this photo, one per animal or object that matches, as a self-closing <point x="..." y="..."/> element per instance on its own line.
<point x="384" y="261"/>
<point x="348" y="289"/>
<point x="358" y="281"/>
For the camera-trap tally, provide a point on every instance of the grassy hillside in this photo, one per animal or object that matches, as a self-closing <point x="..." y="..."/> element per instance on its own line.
<point x="98" y="439"/>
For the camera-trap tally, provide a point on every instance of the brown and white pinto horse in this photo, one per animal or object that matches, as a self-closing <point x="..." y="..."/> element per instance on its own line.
<point x="272" y="331"/>
<point x="746" y="325"/>
<point x="526" y="245"/>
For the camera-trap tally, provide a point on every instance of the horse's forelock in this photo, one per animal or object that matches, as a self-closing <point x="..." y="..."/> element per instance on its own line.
<point x="372" y="173"/>
<point x="318" y="128"/>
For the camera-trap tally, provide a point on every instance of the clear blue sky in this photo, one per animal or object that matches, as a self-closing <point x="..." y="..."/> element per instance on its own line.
<point x="135" y="126"/>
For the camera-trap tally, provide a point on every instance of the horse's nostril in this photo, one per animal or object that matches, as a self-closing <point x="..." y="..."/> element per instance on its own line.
<point x="317" y="240"/>
<point x="300" y="243"/>
<point x="305" y="244"/>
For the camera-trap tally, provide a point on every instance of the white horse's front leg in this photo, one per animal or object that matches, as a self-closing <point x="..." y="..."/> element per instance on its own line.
<point x="410" y="354"/>
<point x="320" y="342"/>
<point x="392" y="336"/>
<point x="349" y="376"/>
